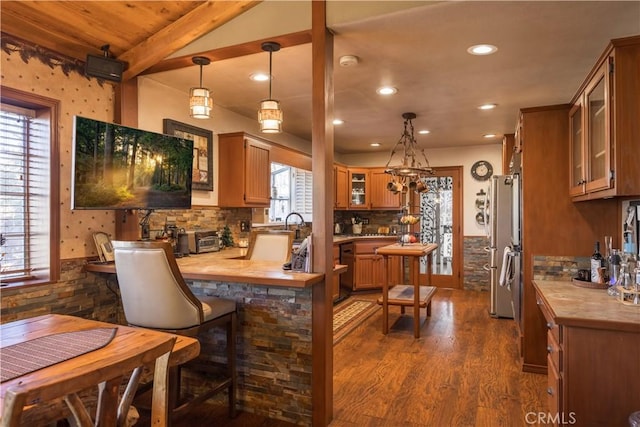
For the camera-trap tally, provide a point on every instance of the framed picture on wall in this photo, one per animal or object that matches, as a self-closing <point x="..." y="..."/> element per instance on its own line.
<point x="202" y="151"/>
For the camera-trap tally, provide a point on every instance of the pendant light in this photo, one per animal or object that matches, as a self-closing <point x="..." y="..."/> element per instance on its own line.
<point x="270" y="115"/>
<point x="200" y="100"/>
<point x="411" y="170"/>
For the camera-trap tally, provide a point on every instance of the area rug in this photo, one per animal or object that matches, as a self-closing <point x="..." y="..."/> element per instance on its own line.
<point x="349" y="315"/>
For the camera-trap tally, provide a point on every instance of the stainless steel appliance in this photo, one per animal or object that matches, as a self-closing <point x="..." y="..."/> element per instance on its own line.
<point x="504" y="248"/>
<point x="203" y="241"/>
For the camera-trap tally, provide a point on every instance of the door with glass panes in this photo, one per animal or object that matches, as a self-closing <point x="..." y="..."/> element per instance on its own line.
<point x="441" y="223"/>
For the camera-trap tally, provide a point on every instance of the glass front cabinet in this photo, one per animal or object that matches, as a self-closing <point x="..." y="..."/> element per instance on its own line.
<point x="359" y="188"/>
<point x="604" y="126"/>
<point x="589" y="137"/>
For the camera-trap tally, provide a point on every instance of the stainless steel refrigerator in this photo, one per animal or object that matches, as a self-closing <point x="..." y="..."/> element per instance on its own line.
<point x="503" y="255"/>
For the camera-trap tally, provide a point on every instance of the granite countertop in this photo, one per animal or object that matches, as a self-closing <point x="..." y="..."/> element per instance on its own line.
<point x="571" y="305"/>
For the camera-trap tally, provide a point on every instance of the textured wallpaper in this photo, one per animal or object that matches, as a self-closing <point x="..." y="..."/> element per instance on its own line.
<point x="78" y="95"/>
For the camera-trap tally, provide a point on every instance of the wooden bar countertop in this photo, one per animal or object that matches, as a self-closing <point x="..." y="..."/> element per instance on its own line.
<point x="571" y="305"/>
<point x="228" y="266"/>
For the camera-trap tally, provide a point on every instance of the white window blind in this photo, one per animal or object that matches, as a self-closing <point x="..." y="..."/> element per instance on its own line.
<point x="303" y="188"/>
<point x="24" y="194"/>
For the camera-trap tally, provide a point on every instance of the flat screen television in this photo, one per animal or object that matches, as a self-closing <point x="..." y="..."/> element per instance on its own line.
<point x="118" y="167"/>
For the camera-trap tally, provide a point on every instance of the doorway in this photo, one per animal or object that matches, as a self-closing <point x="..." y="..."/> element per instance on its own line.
<point x="441" y="223"/>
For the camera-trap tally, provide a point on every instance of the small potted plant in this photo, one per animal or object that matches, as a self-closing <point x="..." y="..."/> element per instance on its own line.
<point x="226" y="237"/>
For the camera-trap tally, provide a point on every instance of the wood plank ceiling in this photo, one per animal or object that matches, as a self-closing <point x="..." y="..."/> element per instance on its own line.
<point x="141" y="33"/>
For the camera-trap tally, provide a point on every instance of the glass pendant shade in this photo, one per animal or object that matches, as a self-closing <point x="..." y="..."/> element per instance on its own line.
<point x="270" y="116"/>
<point x="200" y="99"/>
<point x="200" y="103"/>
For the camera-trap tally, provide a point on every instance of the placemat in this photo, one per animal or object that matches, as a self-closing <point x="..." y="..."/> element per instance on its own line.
<point x="29" y="356"/>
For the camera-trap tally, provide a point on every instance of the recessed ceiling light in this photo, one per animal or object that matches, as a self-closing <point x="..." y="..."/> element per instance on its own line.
<point x="489" y="135"/>
<point x="259" y="77"/>
<point x="487" y="106"/>
<point x="482" y="49"/>
<point x="338" y="121"/>
<point x="375" y="144"/>
<point x="386" y="90"/>
<point x="424" y="132"/>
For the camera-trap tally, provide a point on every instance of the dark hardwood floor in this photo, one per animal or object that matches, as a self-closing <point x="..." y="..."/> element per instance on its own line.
<point x="463" y="371"/>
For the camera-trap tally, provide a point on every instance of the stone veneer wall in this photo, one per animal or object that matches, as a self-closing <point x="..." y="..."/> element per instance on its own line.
<point x="203" y="218"/>
<point x="77" y="293"/>
<point x="562" y="268"/>
<point x="475" y="277"/>
<point x="274" y="348"/>
<point x="376" y="219"/>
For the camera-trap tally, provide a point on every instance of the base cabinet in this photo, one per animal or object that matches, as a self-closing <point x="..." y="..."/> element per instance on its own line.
<point x="336" y="277"/>
<point x="369" y="269"/>
<point x="592" y="357"/>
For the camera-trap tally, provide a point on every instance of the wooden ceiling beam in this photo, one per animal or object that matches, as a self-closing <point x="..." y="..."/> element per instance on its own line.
<point x="196" y="23"/>
<point x="235" y="51"/>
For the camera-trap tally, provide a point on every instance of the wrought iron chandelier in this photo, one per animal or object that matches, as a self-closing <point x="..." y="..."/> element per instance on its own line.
<point x="409" y="173"/>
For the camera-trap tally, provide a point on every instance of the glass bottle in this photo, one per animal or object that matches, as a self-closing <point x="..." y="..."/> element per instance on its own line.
<point x="614" y="272"/>
<point x="597" y="261"/>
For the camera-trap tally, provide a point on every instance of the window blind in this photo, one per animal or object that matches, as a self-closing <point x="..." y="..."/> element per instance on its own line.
<point x="303" y="188"/>
<point x="24" y="194"/>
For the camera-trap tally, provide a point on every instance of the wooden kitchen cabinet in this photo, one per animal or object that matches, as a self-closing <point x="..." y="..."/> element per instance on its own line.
<point x="341" y="190"/>
<point x="245" y="171"/>
<point x="381" y="197"/>
<point x="604" y="126"/>
<point x="369" y="268"/>
<point x="358" y="190"/>
<point x="593" y="343"/>
<point x="552" y="224"/>
<point x="336" y="277"/>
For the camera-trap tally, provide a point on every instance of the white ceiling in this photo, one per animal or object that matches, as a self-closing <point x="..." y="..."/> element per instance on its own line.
<point x="545" y="50"/>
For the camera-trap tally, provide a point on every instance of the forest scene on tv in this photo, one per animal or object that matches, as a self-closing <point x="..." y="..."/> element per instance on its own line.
<point x="117" y="167"/>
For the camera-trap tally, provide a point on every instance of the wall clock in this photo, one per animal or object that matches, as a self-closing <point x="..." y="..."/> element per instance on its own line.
<point x="481" y="170"/>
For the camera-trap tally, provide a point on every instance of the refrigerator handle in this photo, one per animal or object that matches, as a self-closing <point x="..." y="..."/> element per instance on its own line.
<point x="485" y="213"/>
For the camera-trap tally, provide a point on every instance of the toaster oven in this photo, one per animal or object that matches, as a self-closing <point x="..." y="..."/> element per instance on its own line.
<point x="203" y="241"/>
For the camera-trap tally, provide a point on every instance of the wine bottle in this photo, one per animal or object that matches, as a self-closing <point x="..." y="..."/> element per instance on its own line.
<point x="597" y="261"/>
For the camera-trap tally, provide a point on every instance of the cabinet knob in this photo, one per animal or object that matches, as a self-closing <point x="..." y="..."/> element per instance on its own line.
<point x="550" y="391"/>
<point x="549" y="325"/>
<point x="549" y="349"/>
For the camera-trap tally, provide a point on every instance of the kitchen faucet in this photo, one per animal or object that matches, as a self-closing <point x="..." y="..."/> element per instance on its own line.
<point x="302" y="224"/>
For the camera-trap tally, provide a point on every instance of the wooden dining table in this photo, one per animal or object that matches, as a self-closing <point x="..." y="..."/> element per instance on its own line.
<point x="128" y="351"/>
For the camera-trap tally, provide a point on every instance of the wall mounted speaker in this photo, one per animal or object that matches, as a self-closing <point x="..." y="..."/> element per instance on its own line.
<point x="104" y="68"/>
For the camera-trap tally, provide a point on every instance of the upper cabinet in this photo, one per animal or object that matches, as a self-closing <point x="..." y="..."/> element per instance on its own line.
<point x="381" y="197"/>
<point x="358" y="182"/>
<point x="605" y="126"/>
<point x="245" y="171"/>
<point x="341" y="191"/>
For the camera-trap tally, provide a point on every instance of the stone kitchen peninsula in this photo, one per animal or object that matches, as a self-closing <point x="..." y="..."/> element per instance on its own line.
<point x="274" y="329"/>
